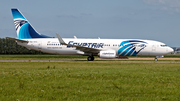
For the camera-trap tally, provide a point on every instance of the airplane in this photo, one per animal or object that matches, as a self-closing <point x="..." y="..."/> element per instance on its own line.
<point x="28" y="37"/>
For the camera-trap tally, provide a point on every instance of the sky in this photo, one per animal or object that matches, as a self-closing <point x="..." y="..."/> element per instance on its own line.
<point x="111" y="19"/>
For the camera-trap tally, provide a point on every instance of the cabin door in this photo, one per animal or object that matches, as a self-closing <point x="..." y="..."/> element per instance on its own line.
<point x="153" y="48"/>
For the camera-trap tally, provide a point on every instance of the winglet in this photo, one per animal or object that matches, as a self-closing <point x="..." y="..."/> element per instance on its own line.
<point x="81" y="48"/>
<point x="75" y="37"/>
<point x="60" y="39"/>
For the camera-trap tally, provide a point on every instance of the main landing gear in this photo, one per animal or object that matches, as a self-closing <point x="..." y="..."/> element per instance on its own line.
<point x="90" y="58"/>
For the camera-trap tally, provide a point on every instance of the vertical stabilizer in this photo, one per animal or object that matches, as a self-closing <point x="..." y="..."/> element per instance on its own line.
<point x="23" y="28"/>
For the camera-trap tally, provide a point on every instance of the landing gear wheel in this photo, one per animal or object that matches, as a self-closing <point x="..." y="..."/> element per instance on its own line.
<point x="90" y="58"/>
<point x="155" y="59"/>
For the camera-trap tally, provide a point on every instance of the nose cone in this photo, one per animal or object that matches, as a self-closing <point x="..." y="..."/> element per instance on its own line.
<point x="170" y="50"/>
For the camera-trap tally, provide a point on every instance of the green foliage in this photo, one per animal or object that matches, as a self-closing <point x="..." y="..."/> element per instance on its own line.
<point x="87" y="81"/>
<point x="42" y="57"/>
<point x="8" y="46"/>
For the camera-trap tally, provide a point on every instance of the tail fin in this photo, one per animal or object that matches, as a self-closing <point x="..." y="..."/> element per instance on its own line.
<point x="23" y="28"/>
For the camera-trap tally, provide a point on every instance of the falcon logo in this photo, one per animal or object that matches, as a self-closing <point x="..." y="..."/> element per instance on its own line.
<point x="19" y="23"/>
<point x="131" y="47"/>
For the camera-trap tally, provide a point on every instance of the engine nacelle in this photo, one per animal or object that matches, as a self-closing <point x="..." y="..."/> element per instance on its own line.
<point x="107" y="54"/>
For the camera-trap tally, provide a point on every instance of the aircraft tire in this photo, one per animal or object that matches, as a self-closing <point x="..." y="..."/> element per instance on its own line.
<point x="90" y="58"/>
<point x="155" y="59"/>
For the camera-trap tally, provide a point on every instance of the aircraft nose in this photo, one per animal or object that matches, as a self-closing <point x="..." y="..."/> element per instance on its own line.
<point x="170" y="50"/>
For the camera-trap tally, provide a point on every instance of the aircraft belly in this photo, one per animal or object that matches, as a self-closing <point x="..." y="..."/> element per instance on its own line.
<point x="61" y="51"/>
<point x="150" y="53"/>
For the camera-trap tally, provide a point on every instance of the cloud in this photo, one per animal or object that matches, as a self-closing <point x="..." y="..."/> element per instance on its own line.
<point x="86" y="14"/>
<point x="133" y="13"/>
<point x="168" y="5"/>
<point x="66" y="16"/>
<point x="73" y="16"/>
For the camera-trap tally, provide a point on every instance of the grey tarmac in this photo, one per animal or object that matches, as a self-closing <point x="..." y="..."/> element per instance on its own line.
<point x="88" y="61"/>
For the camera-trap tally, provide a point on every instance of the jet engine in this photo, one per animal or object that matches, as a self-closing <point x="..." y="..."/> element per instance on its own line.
<point x="107" y="54"/>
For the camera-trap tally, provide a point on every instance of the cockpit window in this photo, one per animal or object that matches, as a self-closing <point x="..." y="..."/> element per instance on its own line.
<point x="163" y="45"/>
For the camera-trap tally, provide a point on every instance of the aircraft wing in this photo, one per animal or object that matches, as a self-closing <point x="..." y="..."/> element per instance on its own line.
<point x="17" y="39"/>
<point x="84" y="49"/>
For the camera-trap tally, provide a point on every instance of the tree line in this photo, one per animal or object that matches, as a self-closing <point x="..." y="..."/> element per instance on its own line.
<point x="8" y="46"/>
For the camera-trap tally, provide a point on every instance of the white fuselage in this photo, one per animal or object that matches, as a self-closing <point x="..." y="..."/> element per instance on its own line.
<point x="28" y="37"/>
<point x="122" y="47"/>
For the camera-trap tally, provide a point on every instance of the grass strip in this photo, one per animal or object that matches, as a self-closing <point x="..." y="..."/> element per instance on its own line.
<point x="89" y="81"/>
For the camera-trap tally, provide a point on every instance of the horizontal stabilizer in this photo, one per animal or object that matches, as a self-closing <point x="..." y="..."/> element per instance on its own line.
<point x="17" y="39"/>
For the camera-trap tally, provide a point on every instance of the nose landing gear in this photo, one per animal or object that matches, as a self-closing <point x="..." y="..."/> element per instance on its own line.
<point x="155" y="59"/>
